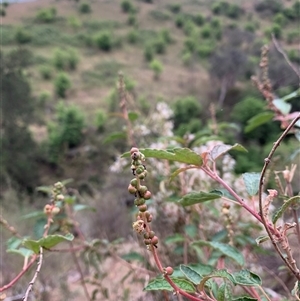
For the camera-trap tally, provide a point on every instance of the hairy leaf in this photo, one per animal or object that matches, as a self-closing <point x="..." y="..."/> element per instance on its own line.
<point x="261" y="239"/>
<point x="162" y="284"/>
<point x="251" y="180"/>
<point x="258" y="120"/>
<point x="222" y="149"/>
<point x="201" y="269"/>
<point x="190" y="273"/>
<point x="174" y="238"/>
<point x="285" y="205"/>
<point x="34" y="214"/>
<point x="247" y="278"/>
<point x="183" y="155"/>
<point x="225" y="249"/>
<point x="216" y="274"/>
<point x="291" y="95"/>
<point x="193" y="198"/>
<point x="178" y="171"/>
<point x="224" y="292"/>
<point x="46" y="242"/>
<point x="13" y="243"/>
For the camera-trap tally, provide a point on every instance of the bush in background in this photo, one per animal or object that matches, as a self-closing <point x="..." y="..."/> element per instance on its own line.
<point x="85" y="8"/>
<point x="104" y="41"/>
<point x="157" y="68"/>
<point x="46" y="15"/>
<point x="62" y="83"/>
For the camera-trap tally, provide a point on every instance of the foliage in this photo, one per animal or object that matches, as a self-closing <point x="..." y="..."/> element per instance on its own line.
<point x="46" y="71"/>
<point x="62" y="83"/>
<point x="104" y="41"/>
<point x="22" y="36"/>
<point x="65" y="59"/>
<point x="66" y="132"/>
<point x="157" y="67"/>
<point x="268" y="6"/>
<point x="74" y="22"/>
<point x="294" y="56"/>
<point x="84" y="8"/>
<point x="46" y="15"/>
<point x="101" y="118"/>
<point x="174" y="8"/>
<point x="127" y="6"/>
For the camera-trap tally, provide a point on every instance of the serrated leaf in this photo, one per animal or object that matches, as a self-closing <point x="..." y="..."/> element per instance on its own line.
<point x="285" y="206"/>
<point x="261" y="239"/>
<point x="34" y="214"/>
<point x="79" y="207"/>
<point x="46" y="242"/>
<point x="282" y="106"/>
<point x="193" y="198"/>
<point x="183" y="155"/>
<point x="114" y="136"/>
<point x="244" y="298"/>
<point x="22" y="251"/>
<point x="174" y="239"/>
<point x="223" y="192"/>
<point x="163" y="284"/>
<point x="201" y="269"/>
<point x="224" y="292"/>
<point x="225" y="249"/>
<point x="258" y="120"/>
<point x="132" y="116"/>
<point x="247" y="278"/>
<point x="190" y="274"/>
<point x="133" y="256"/>
<point x="222" y="149"/>
<point x="251" y="180"/>
<point x="216" y="274"/>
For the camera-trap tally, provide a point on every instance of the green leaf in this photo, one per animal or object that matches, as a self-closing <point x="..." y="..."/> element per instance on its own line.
<point x="225" y="249"/>
<point x="114" y="136"/>
<point x="193" y="198"/>
<point x="191" y="230"/>
<point x="291" y="95"/>
<point x="222" y="149"/>
<point x="216" y="274"/>
<point x="282" y="106"/>
<point x="132" y="116"/>
<point x="251" y="180"/>
<point x="34" y="214"/>
<point x="174" y="239"/>
<point x="79" y="207"/>
<point x="163" y="284"/>
<point x="183" y="155"/>
<point x="178" y="171"/>
<point x="223" y="192"/>
<point x="261" y="239"/>
<point x="45" y="189"/>
<point x="285" y="205"/>
<point x="13" y="243"/>
<point x="247" y="278"/>
<point x="224" y="292"/>
<point x="244" y="298"/>
<point x="22" y="251"/>
<point x="46" y="242"/>
<point x="133" y="256"/>
<point x="191" y="274"/>
<point x="258" y="120"/>
<point x="201" y="269"/>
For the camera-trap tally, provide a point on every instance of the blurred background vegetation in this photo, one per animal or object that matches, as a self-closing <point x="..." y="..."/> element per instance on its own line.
<point x="59" y="98"/>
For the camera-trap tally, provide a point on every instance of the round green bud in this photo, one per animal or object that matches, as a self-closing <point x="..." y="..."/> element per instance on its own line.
<point x="140" y="169"/>
<point x="151" y="234"/>
<point x="142" y="190"/>
<point x="131" y="189"/>
<point x="143" y="208"/>
<point x="133" y="182"/>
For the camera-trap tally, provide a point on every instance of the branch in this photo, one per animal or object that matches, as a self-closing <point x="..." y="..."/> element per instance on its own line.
<point x="261" y="183"/>
<point x="280" y="50"/>
<point x="35" y="276"/>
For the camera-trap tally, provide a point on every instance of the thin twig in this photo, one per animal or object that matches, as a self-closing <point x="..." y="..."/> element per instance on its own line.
<point x="9" y="227"/>
<point x="261" y="182"/>
<point x="31" y="283"/>
<point x="280" y="50"/>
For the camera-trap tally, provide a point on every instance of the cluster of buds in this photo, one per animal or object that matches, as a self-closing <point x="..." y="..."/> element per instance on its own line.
<point x="142" y="194"/>
<point x="53" y="209"/>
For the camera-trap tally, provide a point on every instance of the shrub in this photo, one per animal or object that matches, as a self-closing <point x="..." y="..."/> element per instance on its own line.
<point x="215" y="23"/>
<point x="187" y="58"/>
<point x="289" y="13"/>
<point x="250" y="27"/>
<point x="233" y="11"/>
<point x="279" y="19"/>
<point x="190" y="44"/>
<point x="276" y="30"/>
<point x="65" y="59"/>
<point x="74" y="22"/>
<point x="157" y="68"/>
<point x="132" y="19"/>
<point x="166" y="35"/>
<point x="2" y="12"/>
<point x="159" y="15"/>
<point x="149" y="52"/>
<point x="127" y="6"/>
<point x="101" y="118"/>
<point x="104" y="41"/>
<point x="133" y="36"/>
<point x="193" y="126"/>
<point x="174" y="8"/>
<point x="159" y="45"/>
<point x="293" y="36"/>
<point x="205" y="50"/>
<point x="22" y="36"/>
<point x="44" y="97"/>
<point x="269" y="6"/>
<point x="294" y="55"/>
<point x="199" y="19"/>
<point x="85" y="8"/>
<point x="185" y="109"/>
<point x="179" y="21"/>
<point x="189" y="27"/>
<point x="206" y="32"/>
<point x="62" y="83"/>
<point x="46" y="15"/>
<point x="45" y="72"/>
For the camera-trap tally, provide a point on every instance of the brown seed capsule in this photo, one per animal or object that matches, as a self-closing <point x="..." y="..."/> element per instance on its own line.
<point x="142" y="190"/>
<point x="47" y="209"/>
<point x="168" y="270"/>
<point x="147" y="241"/>
<point x="134" y="150"/>
<point x="146" y="235"/>
<point x="151" y="234"/>
<point x="143" y="208"/>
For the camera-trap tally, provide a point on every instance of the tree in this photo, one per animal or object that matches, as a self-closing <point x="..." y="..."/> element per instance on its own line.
<point x="19" y="151"/>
